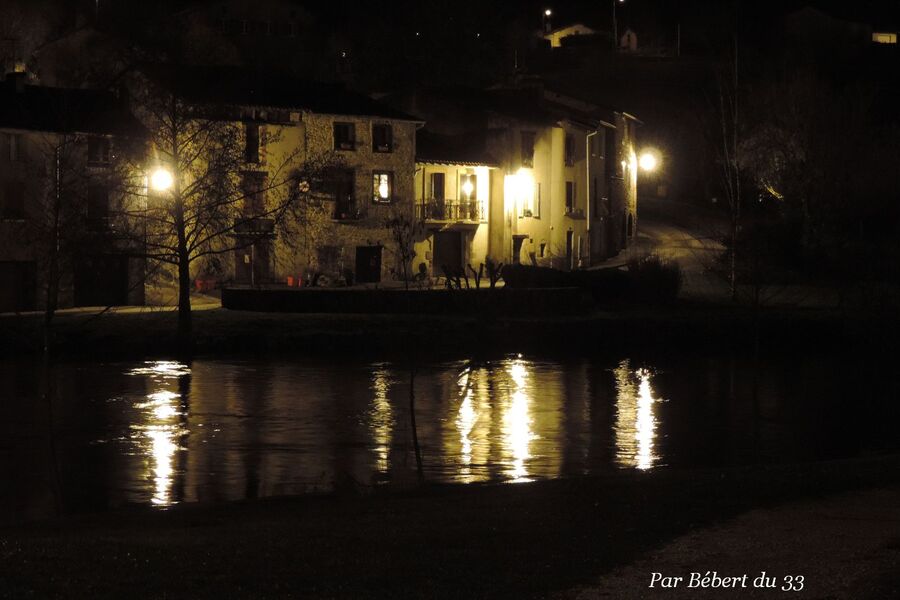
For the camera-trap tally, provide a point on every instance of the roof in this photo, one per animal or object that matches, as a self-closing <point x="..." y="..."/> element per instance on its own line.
<point x="466" y="149"/>
<point x="243" y="87"/>
<point x="62" y="110"/>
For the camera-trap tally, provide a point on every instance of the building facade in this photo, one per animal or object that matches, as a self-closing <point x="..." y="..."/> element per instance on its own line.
<point x="61" y="167"/>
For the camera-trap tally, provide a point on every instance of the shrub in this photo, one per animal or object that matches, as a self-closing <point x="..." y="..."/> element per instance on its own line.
<point x="654" y="280"/>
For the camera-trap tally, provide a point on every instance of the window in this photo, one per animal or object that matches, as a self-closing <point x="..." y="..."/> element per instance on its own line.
<point x="531" y="203"/>
<point x="594" y="199"/>
<point x="570" y="196"/>
<point x="570" y="149"/>
<point x="251" y="143"/>
<point x="438" y="186"/>
<point x="342" y="185"/>
<point x="609" y="154"/>
<point x="382" y="138"/>
<point x="98" y="202"/>
<point x="383" y="187"/>
<point x="344" y="136"/>
<point x="597" y="144"/>
<point x="884" y="38"/>
<point x="468" y="187"/>
<point x="527" y="148"/>
<point x="98" y="150"/>
<point x="12" y="203"/>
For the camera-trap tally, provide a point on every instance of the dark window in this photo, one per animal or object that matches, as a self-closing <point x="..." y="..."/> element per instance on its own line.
<point x="12" y="204"/>
<point x="98" y="202"/>
<point x="594" y="199"/>
<point x="251" y="143"/>
<point x="437" y="186"/>
<point x="344" y="194"/>
<point x="570" y="196"/>
<point x="527" y="148"/>
<point x="382" y="138"/>
<point x="609" y="154"/>
<point x="570" y="150"/>
<point x="383" y="187"/>
<point x="537" y="203"/>
<point x="98" y="150"/>
<point x="344" y="136"/>
<point x="597" y="144"/>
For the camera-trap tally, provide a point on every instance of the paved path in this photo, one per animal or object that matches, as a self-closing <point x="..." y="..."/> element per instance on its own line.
<point x="845" y="547"/>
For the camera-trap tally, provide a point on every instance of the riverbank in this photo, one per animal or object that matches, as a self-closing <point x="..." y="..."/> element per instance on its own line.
<point x="511" y="541"/>
<point x="683" y="328"/>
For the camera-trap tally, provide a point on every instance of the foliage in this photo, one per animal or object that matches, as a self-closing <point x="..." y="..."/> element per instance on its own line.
<point x="404" y="231"/>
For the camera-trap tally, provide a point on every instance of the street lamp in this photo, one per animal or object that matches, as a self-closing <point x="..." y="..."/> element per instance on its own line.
<point x="615" y="24"/>
<point x="648" y="161"/>
<point x="546" y="20"/>
<point x="161" y="179"/>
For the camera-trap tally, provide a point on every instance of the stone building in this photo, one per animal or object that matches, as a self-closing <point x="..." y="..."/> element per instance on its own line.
<point x="60" y="156"/>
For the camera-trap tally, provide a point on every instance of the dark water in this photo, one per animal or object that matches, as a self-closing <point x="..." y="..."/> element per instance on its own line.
<point x="94" y="436"/>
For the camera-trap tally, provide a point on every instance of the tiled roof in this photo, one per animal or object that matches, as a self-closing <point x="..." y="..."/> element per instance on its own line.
<point x="466" y="149"/>
<point x="242" y="87"/>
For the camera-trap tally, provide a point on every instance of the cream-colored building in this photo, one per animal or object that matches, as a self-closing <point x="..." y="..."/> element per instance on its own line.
<point x="554" y="176"/>
<point x="455" y="188"/>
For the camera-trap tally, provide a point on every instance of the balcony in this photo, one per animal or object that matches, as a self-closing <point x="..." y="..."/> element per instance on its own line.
<point x="451" y="210"/>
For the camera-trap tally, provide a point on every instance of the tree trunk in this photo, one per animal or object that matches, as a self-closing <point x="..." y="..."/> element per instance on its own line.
<point x="184" y="282"/>
<point x="412" y="418"/>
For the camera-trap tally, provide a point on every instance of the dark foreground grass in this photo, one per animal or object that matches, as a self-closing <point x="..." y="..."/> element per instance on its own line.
<point x="510" y="541"/>
<point x="701" y="328"/>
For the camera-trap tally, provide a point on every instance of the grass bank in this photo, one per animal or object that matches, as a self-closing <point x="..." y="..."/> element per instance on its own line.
<point x="476" y="541"/>
<point x="682" y="328"/>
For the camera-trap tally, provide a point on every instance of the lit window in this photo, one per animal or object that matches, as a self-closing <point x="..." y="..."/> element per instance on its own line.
<point x="382" y="183"/>
<point x="884" y="38"/>
<point x="468" y="187"/>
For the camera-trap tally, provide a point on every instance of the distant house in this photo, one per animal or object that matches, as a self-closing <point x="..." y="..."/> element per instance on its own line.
<point x="556" y="36"/>
<point x="58" y="150"/>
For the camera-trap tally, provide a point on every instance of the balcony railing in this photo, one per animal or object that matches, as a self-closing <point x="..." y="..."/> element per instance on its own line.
<point x="450" y="210"/>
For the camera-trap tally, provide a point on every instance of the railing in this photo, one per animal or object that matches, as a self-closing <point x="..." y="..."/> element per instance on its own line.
<point x="450" y="210"/>
<point x="348" y="212"/>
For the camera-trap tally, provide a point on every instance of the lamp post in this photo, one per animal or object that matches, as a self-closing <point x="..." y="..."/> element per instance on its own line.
<point x="546" y="19"/>
<point x="615" y="24"/>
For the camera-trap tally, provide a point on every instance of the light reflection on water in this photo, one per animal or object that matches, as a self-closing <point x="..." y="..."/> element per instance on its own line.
<point x="636" y="422"/>
<point x="157" y="435"/>
<point x="166" y="432"/>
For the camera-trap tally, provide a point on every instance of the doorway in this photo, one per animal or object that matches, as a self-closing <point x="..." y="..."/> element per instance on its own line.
<point x="448" y="252"/>
<point x="368" y="264"/>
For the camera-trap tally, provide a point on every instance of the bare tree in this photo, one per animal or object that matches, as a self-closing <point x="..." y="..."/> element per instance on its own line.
<point x="218" y="181"/>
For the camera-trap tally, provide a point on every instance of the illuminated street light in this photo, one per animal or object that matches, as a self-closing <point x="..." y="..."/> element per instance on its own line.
<point x="648" y="161"/>
<point x="548" y="12"/>
<point x="161" y="179"/>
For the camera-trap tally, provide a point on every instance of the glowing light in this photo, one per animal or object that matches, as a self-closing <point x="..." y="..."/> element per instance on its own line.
<point x="635" y="428"/>
<point x="383" y="189"/>
<point x="382" y="418"/>
<point x="648" y="162"/>
<point x="468" y="188"/>
<point x="161" y="180"/>
<point x="160" y="429"/>
<point x="517" y="423"/>
<point x="548" y="12"/>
